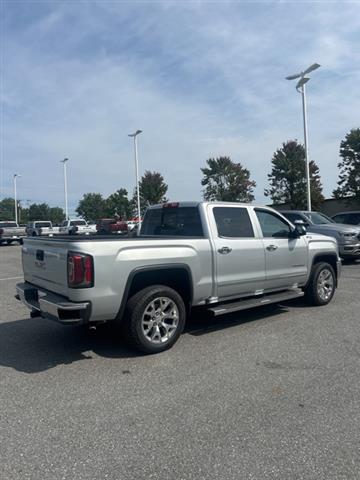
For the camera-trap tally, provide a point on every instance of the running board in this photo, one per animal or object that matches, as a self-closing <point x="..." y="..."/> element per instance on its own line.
<point x="256" y="302"/>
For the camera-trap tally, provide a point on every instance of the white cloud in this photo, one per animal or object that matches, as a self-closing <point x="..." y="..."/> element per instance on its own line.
<point x="200" y="81"/>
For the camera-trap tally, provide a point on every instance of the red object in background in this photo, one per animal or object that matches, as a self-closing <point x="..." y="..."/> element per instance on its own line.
<point x="111" y="225"/>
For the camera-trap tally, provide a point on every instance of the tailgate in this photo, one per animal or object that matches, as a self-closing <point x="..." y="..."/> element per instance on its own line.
<point x="45" y="264"/>
<point x="13" y="231"/>
<point x="84" y="229"/>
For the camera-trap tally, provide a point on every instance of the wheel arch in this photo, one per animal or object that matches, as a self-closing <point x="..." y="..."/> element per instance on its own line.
<point x="176" y="276"/>
<point x="330" y="258"/>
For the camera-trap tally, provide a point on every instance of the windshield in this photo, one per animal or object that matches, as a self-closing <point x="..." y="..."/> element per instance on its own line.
<point x="43" y="224"/>
<point x="8" y="224"/>
<point x="318" y="218"/>
<point x="77" y="222"/>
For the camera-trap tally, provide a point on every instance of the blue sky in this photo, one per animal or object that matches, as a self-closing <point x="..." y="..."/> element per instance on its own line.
<point x="199" y="78"/>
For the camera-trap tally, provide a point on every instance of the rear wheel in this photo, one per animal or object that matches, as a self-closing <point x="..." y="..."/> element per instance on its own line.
<point x="154" y="318"/>
<point x="321" y="287"/>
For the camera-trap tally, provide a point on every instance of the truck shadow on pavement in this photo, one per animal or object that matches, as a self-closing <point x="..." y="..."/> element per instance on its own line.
<point x="33" y="345"/>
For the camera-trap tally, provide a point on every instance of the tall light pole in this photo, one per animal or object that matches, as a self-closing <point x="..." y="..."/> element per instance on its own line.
<point x="16" y="176"/>
<point x="134" y="136"/>
<point x="300" y="87"/>
<point x="65" y="187"/>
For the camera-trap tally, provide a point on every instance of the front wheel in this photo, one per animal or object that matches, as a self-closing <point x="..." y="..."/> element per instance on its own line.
<point x="154" y="318"/>
<point x="321" y="287"/>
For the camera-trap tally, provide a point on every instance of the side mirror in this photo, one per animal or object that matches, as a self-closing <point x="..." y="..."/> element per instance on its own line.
<point x="300" y="227"/>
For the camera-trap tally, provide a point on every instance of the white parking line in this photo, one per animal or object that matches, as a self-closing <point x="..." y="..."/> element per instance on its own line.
<point x="10" y="278"/>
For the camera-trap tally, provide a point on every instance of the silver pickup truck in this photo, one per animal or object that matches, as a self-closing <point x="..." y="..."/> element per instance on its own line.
<point x="11" y="232"/>
<point x="225" y="257"/>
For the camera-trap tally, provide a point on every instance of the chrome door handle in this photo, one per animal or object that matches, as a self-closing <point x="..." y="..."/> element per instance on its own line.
<point x="224" y="250"/>
<point x="271" y="248"/>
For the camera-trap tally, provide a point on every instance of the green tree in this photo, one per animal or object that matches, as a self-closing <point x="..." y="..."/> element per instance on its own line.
<point x="349" y="177"/>
<point x="152" y="188"/>
<point x="118" y="204"/>
<point x="288" y="177"/>
<point x="38" y="211"/>
<point x="7" y="209"/>
<point x="92" y="206"/>
<point x="56" y="214"/>
<point x="226" y="181"/>
<point x="23" y="214"/>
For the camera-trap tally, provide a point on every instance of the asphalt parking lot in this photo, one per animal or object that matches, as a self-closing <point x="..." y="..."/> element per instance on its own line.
<point x="266" y="394"/>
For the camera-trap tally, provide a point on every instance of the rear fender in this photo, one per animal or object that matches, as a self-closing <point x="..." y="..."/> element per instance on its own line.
<point x="169" y="275"/>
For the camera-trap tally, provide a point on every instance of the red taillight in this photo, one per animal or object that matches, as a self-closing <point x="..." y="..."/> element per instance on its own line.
<point x="88" y="269"/>
<point x="80" y="270"/>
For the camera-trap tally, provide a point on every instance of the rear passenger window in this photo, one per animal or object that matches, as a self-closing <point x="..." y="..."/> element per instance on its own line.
<point x="233" y="222"/>
<point x="173" y="221"/>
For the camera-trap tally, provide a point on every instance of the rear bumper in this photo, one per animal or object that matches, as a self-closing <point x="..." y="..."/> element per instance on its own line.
<point x="12" y="238"/>
<point x="49" y="305"/>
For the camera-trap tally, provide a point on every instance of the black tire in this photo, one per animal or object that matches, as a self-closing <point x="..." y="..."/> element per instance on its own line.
<point x="322" y="274"/>
<point x="137" y="315"/>
<point x="34" y="234"/>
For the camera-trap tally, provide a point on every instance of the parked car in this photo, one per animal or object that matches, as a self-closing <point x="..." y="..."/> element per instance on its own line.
<point x="11" y="232"/>
<point x="225" y="257"/>
<point x="106" y="226"/>
<point x="77" y="227"/>
<point x="41" y="228"/>
<point x="350" y="218"/>
<point x="347" y="236"/>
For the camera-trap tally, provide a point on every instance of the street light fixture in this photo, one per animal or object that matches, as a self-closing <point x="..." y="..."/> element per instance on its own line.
<point x="134" y="136"/>
<point x="300" y="87"/>
<point x="16" y="176"/>
<point x="65" y="187"/>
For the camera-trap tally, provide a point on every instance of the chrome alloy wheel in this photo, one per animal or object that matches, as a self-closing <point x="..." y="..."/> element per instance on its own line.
<point x="325" y="284"/>
<point x="160" y="320"/>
